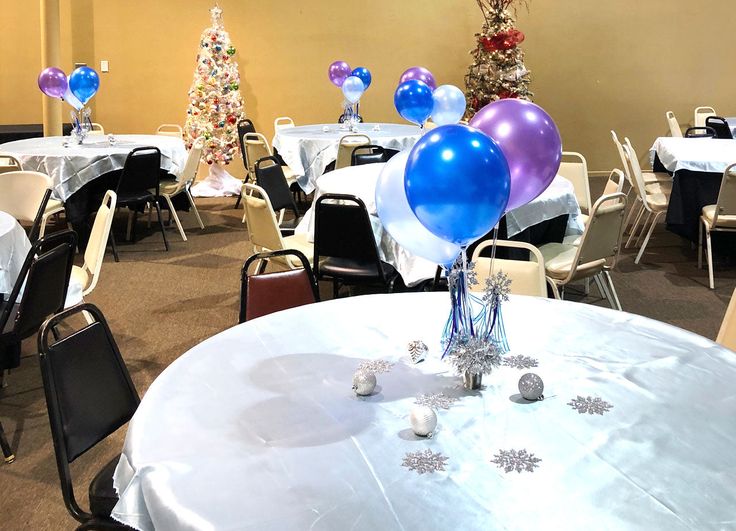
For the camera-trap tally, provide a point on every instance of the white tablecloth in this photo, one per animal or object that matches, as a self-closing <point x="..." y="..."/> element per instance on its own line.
<point x="14" y="247"/>
<point x="557" y="200"/>
<point x="307" y="149"/>
<point x="72" y="167"/>
<point x="694" y="154"/>
<point x="257" y="427"/>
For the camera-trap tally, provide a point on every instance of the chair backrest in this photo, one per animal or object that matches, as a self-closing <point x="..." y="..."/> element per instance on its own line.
<point x="21" y="192"/>
<point x="369" y="154"/>
<point x="637" y="177"/>
<point x="700" y="114"/>
<point x="89" y="392"/>
<point x="527" y="277"/>
<point x="622" y="156"/>
<point x="720" y="126"/>
<point x="191" y="166"/>
<point x="245" y="126"/>
<point x="9" y="163"/>
<point x="38" y="220"/>
<point x="675" y="130"/>
<point x="263" y="231"/>
<point x="726" y="202"/>
<point x="282" y="122"/>
<point x="256" y="148"/>
<point x="346" y="146"/>
<point x="141" y="171"/>
<point x="574" y="168"/>
<point x="96" y="129"/>
<point x="700" y="132"/>
<point x="727" y="332"/>
<point x="614" y="183"/>
<point x="265" y="293"/>
<point x="94" y="254"/>
<point x="601" y="240"/>
<point x="270" y="177"/>
<point x="174" y="130"/>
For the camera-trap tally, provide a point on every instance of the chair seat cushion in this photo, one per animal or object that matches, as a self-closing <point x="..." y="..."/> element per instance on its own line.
<point x="81" y="277"/>
<point x="558" y="260"/>
<point x="656" y="177"/>
<point x="658" y="201"/>
<point x="289" y="174"/>
<point x="659" y="188"/>
<point x="53" y="206"/>
<point x="102" y="496"/>
<point x="723" y="221"/>
<point x="167" y="186"/>
<point x="347" y="269"/>
<point x="135" y="197"/>
<point x="300" y="242"/>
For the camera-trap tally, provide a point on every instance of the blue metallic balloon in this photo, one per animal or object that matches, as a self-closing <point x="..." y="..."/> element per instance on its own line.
<point x="364" y="75"/>
<point x="83" y="83"/>
<point x="413" y="100"/>
<point x="457" y="183"/>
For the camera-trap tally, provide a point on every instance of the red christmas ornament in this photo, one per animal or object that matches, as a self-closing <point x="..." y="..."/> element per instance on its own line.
<point x="503" y="40"/>
<point x="231" y="119"/>
<point x="506" y="94"/>
<point x="214" y="38"/>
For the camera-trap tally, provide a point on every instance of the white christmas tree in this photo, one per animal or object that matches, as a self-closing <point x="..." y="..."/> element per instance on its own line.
<point x="215" y="108"/>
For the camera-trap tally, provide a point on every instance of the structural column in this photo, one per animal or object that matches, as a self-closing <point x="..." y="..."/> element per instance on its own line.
<point x="50" y="56"/>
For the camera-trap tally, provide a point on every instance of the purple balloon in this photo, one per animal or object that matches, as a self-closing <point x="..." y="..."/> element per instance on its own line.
<point x="339" y="72"/>
<point x="420" y="73"/>
<point x="52" y="82"/>
<point x="530" y="141"/>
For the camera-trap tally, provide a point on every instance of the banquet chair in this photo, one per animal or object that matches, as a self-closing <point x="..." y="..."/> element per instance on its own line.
<point x="345" y="249"/>
<point x="256" y="148"/>
<point x="574" y="168"/>
<point x="700" y="132"/>
<point x="174" y="130"/>
<point x="727" y="333"/>
<point x="89" y="395"/>
<point x="170" y="188"/>
<point x="270" y="177"/>
<point x="9" y="163"/>
<point x="369" y="154"/>
<point x="282" y="122"/>
<point x="265" y="293"/>
<point x="597" y="253"/>
<point x="527" y="276"/>
<point x="718" y="217"/>
<point x="245" y="126"/>
<point x="345" y="148"/>
<point x="263" y="230"/>
<point x="96" y="129"/>
<point x="138" y="185"/>
<point x="614" y="185"/>
<point x="700" y="114"/>
<point x="720" y="126"/>
<point x="23" y="192"/>
<point x="674" y="126"/>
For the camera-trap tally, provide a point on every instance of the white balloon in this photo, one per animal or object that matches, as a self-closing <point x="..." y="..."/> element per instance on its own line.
<point x="449" y="105"/>
<point x="353" y="89"/>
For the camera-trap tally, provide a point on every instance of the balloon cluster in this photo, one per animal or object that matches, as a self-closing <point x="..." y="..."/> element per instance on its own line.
<point x="352" y="82"/>
<point x="418" y="97"/>
<point x="76" y="90"/>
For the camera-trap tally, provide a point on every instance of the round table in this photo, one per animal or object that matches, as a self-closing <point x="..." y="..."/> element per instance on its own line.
<point x="14" y="247"/>
<point x="258" y="428"/>
<point x="308" y="149"/>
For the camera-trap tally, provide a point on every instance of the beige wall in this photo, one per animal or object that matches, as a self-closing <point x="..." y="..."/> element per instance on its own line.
<point x="596" y="65"/>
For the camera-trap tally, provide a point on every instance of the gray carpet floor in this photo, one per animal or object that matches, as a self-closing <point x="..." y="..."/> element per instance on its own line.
<point x="161" y="304"/>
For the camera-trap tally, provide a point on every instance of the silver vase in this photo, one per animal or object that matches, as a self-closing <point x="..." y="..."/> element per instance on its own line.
<point x="472" y="380"/>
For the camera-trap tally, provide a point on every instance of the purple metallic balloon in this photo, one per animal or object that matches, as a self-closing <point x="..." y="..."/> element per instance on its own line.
<point x="339" y="72"/>
<point x="52" y="82"/>
<point x="530" y="141"/>
<point x="420" y="73"/>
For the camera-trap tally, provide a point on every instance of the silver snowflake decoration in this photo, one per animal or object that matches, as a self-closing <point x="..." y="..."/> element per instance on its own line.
<point x="471" y="277"/>
<point x="436" y="401"/>
<point x="497" y="289"/>
<point x="590" y="405"/>
<point x="520" y="362"/>
<point x="519" y="460"/>
<point x="471" y="274"/>
<point x="417" y="351"/>
<point x="426" y="462"/>
<point x="474" y="354"/>
<point x="375" y="366"/>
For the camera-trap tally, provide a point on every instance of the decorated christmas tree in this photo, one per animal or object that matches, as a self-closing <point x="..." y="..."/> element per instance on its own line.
<point x="215" y="106"/>
<point x="498" y="69"/>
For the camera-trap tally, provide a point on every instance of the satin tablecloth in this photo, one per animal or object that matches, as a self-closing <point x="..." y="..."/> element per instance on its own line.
<point x="307" y="149"/>
<point x="257" y="427"/>
<point x="557" y="200"/>
<point x="694" y="154"/>
<point x="14" y="247"/>
<point x="72" y="167"/>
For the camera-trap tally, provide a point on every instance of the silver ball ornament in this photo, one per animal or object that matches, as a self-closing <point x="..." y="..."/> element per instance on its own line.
<point x="364" y="383"/>
<point x="531" y="386"/>
<point x="423" y="421"/>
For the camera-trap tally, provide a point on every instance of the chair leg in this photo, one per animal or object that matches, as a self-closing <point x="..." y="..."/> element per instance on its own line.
<point x="615" y="303"/>
<point x="44" y="221"/>
<point x="173" y="214"/>
<point x="3" y="379"/>
<point x="7" y="451"/>
<point x="586" y="286"/>
<point x="644" y="228"/>
<point x="335" y="288"/>
<point x="700" y="243"/>
<point x="649" y="235"/>
<point x="553" y="287"/>
<point x="634" y="208"/>
<point x="114" y="247"/>
<point x="129" y="232"/>
<point x="150" y="213"/>
<point x="709" y="257"/>
<point x="196" y="211"/>
<point x="161" y="223"/>
<point x="634" y="227"/>
<point x="600" y="286"/>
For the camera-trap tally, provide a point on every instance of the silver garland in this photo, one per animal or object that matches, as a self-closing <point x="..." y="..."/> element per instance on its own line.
<point x="474" y="354"/>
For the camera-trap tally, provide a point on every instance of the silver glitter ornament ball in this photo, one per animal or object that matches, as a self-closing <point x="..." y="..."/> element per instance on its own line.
<point x="423" y="421"/>
<point x="364" y="383"/>
<point x="531" y="386"/>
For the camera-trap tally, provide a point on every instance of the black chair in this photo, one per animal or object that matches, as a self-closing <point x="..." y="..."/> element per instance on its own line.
<point x="270" y="177"/>
<point x="345" y="249"/>
<point x="369" y="154"/>
<point x="265" y="293"/>
<point x="138" y="184"/>
<point x="700" y="132"/>
<point x="720" y="126"/>
<point x="89" y="395"/>
<point x="244" y="127"/>
<point x="36" y="228"/>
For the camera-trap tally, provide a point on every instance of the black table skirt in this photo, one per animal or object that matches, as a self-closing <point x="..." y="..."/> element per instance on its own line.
<point x="550" y="231"/>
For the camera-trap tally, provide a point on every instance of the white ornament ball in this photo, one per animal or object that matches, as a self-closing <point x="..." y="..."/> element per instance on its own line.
<point x="364" y="383"/>
<point x="423" y="420"/>
<point x="531" y="386"/>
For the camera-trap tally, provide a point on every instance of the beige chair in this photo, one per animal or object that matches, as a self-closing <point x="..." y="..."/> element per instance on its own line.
<point x="257" y="147"/>
<point x="574" y="168"/>
<point x="675" y="130"/>
<point x="9" y="163"/>
<point x="727" y="333"/>
<point x="263" y="230"/>
<point x="96" y="129"/>
<point x="22" y="192"/>
<point x="718" y="217"/>
<point x="346" y="146"/>
<point x="527" y="277"/>
<point x="282" y="122"/>
<point x="597" y="253"/>
<point x="174" y="130"/>
<point x="614" y="185"/>
<point x="700" y="114"/>
<point x="171" y="188"/>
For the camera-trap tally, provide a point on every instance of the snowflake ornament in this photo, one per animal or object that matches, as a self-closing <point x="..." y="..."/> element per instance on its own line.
<point x="426" y="462"/>
<point x="519" y="460"/>
<point x="474" y="354"/>
<point x="590" y="405"/>
<point x="375" y="366"/>
<point x="436" y="401"/>
<point x="497" y="289"/>
<point x="417" y="351"/>
<point x="520" y="362"/>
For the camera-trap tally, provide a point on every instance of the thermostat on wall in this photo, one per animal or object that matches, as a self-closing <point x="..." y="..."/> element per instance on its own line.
<point x="104" y="66"/>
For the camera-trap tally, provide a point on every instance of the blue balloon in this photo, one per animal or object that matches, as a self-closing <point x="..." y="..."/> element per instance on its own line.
<point x="457" y="183"/>
<point x="364" y="75"/>
<point x="413" y="100"/>
<point x="83" y="83"/>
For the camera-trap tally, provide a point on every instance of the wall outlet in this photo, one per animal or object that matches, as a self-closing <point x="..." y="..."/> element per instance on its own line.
<point x="104" y="66"/>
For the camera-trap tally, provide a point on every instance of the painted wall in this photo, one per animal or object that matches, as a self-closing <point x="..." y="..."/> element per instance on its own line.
<point x="596" y="65"/>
